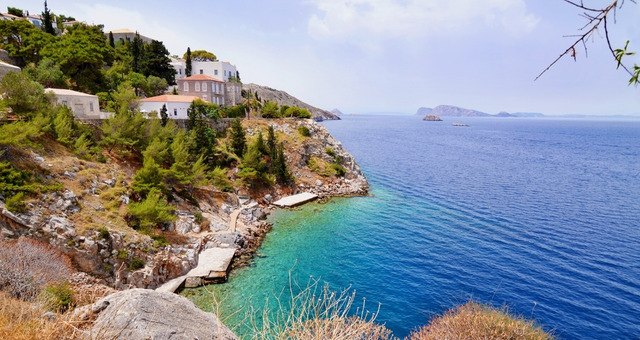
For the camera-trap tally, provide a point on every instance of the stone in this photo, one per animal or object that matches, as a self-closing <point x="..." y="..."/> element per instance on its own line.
<point x="147" y="314"/>
<point x="125" y="199"/>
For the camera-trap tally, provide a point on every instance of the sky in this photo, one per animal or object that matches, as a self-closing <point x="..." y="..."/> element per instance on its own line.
<point x="393" y="56"/>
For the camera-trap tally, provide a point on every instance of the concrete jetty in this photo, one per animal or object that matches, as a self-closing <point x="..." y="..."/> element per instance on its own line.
<point x="213" y="266"/>
<point x="295" y="200"/>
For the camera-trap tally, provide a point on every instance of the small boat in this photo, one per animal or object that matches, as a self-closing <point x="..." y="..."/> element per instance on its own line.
<point x="459" y="124"/>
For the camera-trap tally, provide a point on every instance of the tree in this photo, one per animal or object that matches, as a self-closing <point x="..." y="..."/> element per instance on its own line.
<point x="136" y="48"/>
<point x="24" y="96"/>
<point x="81" y="53"/>
<point x="270" y="109"/>
<point x="23" y="41"/>
<point x="200" y="55"/>
<point x="271" y="143"/>
<point x="15" y="11"/>
<point x="63" y="125"/>
<point x="238" y="140"/>
<point x="599" y="18"/>
<point x="47" y="19"/>
<point x="47" y="73"/>
<point x="154" y="86"/>
<point x="148" y="178"/>
<point x="283" y="176"/>
<point x="188" y="65"/>
<point x="163" y="115"/>
<point x="155" y="61"/>
<point x="153" y="211"/>
<point x="253" y="168"/>
<point x="112" y="42"/>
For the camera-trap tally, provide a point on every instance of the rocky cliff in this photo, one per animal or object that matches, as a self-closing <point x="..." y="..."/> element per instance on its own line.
<point x="283" y="98"/>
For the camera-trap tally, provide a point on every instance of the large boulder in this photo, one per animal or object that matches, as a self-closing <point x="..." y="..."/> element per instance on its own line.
<point x="148" y="314"/>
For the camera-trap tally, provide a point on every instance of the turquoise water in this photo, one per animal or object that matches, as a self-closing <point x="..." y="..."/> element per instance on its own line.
<point x="538" y="215"/>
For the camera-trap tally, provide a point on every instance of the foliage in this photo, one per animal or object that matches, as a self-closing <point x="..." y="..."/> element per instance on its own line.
<point x="81" y="53"/>
<point x="155" y="86"/>
<point x="270" y="110"/>
<point x="304" y="131"/>
<point x="15" y="11"/>
<point x="283" y="176"/>
<point x="321" y="167"/>
<point x="27" y="266"/>
<point x="220" y="180"/>
<point x="136" y="263"/>
<point x="20" y="134"/>
<point x="188" y="63"/>
<point x="619" y="54"/>
<point x="158" y="150"/>
<point x="148" y="178"/>
<point x="238" y="139"/>
<point x="23" y="41"/>
<point x="58" y="297"/>
<point x="297" y="112"/>
<point x="254" y="168"/>
<point x="124" y="132"/>
<point x="47" y="73"/>
<point x="155" y="61"/>
<point x="200" y="55"/>
<point x="151" y="212"/>
<point x="236" y="111"/>
<point x="163" y="115"/>
<point x="24" y="96"/>
<point x="475" y="321"/>
<point x="16" y="203"/>
<point x="47" y="20"/>
<point x="63" y="125"/>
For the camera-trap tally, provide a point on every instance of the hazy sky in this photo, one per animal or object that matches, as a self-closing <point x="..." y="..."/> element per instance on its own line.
<point x="392" y="55"/>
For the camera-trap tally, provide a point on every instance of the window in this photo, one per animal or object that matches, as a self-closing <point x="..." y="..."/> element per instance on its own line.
<point x="204" y="87"/>
<point x="91" y="107"/>
<point x="204" y="96"/>
<point x="201" y="71"/>
<point x="186" y="86"/>
<point x="215" y="72"/>
<point x="197" y="87"/>
<point x="179" y="71"/>
<point x="175" y="112"/>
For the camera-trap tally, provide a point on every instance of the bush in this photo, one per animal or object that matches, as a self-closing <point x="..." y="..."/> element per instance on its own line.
<point x="338" y="169"/>
<point x="152" y="212"/>
<point x="136" y="263"/>
<point x="220" y="180"/>
<point x="27" y="266"/>
<point x="330" y="152"/>
<point x="57" y="297"/>
<point x="16" y="204"/>
<point x="24" y="96"/>
<point x="304" y="131"/>
<point x="475" y="321"/>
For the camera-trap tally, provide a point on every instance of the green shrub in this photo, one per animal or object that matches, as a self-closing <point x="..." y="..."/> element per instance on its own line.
<point x="220" y="180"/>
<point x="104" y="233"/>
<point x="151" y="212"/>
<point x="338" y="169"/>
<point x="122" y="255"/>
<point x="57" y="297"/>
<point x="304" y="131"/>
<point x="159" y="241"/>
<point x="16" y="203"/>
<point x="330" y="152"/>
<point x="136" y="263"/>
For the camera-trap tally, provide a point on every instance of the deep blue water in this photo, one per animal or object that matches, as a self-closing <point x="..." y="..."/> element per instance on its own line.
<point x="539" y="215"/>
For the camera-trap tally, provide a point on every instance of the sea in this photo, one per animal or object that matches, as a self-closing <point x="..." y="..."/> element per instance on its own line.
<point x="539" y="216"/>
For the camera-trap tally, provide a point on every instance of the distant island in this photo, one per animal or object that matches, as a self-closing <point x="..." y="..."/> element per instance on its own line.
<point x="455" y="111"/>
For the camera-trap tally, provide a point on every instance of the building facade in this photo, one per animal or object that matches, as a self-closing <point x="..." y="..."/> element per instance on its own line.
<point x="177" y="105"/>
<point x="126" y="34"/>
<point x="222" y="70"/>
<point x="205" y="87"/>
<point x="82" y="105"/>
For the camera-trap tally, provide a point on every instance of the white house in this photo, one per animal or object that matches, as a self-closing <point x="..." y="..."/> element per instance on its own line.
<point x="6" y="68"/>
<point x="82" y="104"/>
<point x="218" y="69"/>
<point x="177" y="105"/>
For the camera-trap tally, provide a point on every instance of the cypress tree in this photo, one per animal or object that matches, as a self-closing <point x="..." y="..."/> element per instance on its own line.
<point x="282" y="173"/>
<point x="260" y="144"/>
<point x="47" y="19"/>
<point x="137" y="49"/>
<point x="163" y="115"/>
<point x="188" y="65"/>
<point x="271" y="143"/>
<point x="238" y="141"/>
<point x="112" y="42"/>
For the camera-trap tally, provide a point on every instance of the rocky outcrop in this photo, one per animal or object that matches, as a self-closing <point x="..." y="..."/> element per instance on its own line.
<point x="454" y="111"/>
<point x="283" y="98"/>
<point x="146" y="314"/>
<point x="432" y="118"/>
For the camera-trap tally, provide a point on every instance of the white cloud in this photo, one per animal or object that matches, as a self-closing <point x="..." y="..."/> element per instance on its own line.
<point x="369" y="21"/>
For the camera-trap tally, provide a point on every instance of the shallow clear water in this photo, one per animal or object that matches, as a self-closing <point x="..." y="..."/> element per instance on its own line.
<point x="542" y="216"/>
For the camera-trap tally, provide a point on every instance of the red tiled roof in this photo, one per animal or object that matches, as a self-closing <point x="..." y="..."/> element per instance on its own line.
<point x="202" y="77"/>
<point x="170" y="98"/>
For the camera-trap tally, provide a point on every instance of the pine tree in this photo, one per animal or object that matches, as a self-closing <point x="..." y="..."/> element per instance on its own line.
<point x="260" y="144"/>
<point x="283" y="176"/>
<point x="271" y="143"/>
<point x="112" y="42"/>
<point x="137" y="50"/>
<point x="47" y="19"/>
<point x="164" y="118"/>
<point x="188" y="66"/>
<point x="238" y="140"/>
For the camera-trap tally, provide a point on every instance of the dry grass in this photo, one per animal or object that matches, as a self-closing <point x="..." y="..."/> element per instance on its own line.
<point x="20" y="320"/>
<point x="317" y="313"/>
<point x="475" y="321"/>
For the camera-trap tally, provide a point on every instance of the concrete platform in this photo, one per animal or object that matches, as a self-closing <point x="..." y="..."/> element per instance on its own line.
<point x="295" y="200"/>
<point x="213" y="266"/>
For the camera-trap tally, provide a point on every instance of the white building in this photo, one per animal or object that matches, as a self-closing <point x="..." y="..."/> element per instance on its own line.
<point x="218" y="69"/>
<point x="82" y="105"/>
<point x="126" y="34"/>
<point x="177" y="106"/>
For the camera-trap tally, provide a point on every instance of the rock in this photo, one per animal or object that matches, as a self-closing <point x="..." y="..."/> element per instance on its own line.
<point x="125" y="199"/>
<point x="432" y="118"/>
<point x="49" y="316"/>
<point x="147" y="314"/>
<point x="268" y="198"/>
<point x="318" y="183"/>
<point x="110" y="182"/>
<point x="186" y="223"/>
<point x="60" y="226"/>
